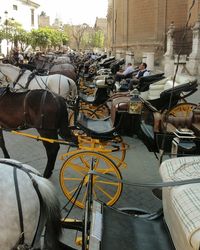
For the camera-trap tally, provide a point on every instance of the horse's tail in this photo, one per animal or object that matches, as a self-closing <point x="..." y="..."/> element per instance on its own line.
<point x="64" y="130"/>
<point x="51" y="213"/>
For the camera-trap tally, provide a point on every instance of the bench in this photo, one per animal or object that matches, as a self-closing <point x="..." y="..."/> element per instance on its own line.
<point x="181" y="204"/>
<point x="155" y="89"/>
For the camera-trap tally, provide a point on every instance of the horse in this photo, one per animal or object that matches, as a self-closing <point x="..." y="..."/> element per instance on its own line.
<point x="39" y="109"/>
<point x="25" y="79"/>
<point x="29" y="204"/>
<point x="55" y="65"/>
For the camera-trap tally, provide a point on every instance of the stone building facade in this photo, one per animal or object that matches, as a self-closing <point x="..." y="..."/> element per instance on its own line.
<point x="21" y="11"/>
<point x="137" y="27"/>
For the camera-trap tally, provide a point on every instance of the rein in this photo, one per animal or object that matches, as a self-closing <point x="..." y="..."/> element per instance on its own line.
<point x="17" y="166"/>
<point x="22" y="71"/>
<point x="29" y="79"/>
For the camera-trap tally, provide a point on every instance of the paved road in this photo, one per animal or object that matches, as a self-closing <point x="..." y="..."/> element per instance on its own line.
<point x="142" y="166"/>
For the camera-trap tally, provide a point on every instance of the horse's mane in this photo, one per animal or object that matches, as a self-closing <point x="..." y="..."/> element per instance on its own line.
<point x="12" y="66"/>
<point x="9" y="65"/>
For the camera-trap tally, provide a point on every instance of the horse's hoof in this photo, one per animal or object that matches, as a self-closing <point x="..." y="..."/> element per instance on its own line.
<point x="47" y="175"/>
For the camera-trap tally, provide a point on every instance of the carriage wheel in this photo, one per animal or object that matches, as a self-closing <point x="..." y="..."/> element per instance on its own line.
<point x="102" y="111"/>
<point x="75" y="170"/>
<point x="181" y="110"/>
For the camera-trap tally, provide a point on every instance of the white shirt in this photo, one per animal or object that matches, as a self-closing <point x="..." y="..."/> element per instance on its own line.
<point x="128" y="70"/>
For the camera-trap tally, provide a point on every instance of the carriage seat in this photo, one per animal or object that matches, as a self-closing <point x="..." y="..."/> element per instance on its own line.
<point x="119" y="104"/>
<point x="156" y="89"/>
<point x="99" y="96"/>
<point x="181" y="204"/>
<point x="100" y="128"/>
<point x="109" y="226"/>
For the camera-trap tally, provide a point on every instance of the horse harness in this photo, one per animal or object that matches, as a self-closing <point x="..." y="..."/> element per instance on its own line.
<point x="26" y="124"/>
<point x="20" y="244"/>
<point x="30" y="78"/>
<point x="42" y="113"/>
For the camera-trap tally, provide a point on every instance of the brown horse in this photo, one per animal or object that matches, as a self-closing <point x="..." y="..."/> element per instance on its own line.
<point x="39" y="109"/>
<point x="55" y="65"/>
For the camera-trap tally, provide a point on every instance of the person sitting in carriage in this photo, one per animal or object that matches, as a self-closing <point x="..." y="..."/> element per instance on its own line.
<point x="142" y="72"/>
<point x="123" y="74"/>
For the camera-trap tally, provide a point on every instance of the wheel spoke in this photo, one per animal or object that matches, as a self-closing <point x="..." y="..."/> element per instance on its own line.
<point x="96" y="164"/>
<point x="73" y="190"/>
<point x="84" y="197"/>
<point x="94" y="193"/>
<point x="107" y="182"/>
<point x="78" y="169"/>
<point x="72" y="179"/>
<point x="104" y="192"/>
<point x="104" y="171"/>
<point x="85" y="162"/>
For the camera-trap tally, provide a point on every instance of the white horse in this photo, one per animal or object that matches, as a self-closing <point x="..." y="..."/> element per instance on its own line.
<point x="21" y="80"/>
<point x="28" y="204"/>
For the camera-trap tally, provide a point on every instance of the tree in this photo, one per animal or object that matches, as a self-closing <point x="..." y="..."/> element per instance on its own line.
<point x="39" y="38"/>
<point x="45" y="37"/>
<point x="13" y="32"/>
<point x="98" y="39"/>
<point x="78" y="32"/>
<point x="24" y="38"/>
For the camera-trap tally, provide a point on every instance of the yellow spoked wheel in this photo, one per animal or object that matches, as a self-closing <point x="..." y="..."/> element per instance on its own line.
<point x="74" y="173"/>
<point x="102" y="111"/>
<point x="95" y="112"/>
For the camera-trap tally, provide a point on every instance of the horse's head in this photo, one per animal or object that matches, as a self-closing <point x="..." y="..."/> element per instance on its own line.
<point x="4" y="78"/>
<point x="8" y="73"/>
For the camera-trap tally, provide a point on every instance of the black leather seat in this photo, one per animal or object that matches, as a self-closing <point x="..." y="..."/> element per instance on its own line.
<point x="122" y="231"/>
<point x="101" y="128"/>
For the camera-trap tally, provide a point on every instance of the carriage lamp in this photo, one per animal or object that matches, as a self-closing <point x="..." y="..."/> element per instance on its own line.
<point x="135" y="103"/>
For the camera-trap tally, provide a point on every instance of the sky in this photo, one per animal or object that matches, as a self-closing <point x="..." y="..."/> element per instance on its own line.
<point x="75" y="11"/>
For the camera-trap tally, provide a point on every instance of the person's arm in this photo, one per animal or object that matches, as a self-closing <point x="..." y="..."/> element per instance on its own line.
<point x="127" y="71"/>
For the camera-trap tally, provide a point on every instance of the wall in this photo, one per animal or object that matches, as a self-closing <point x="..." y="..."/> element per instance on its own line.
<point x="141" y="26"/>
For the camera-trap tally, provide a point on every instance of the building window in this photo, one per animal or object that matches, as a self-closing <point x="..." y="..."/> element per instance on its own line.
<point x="32" y="17"/>
<point x="14" y="7"/>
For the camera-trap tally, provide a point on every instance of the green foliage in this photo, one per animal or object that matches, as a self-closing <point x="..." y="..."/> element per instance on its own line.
<point x="45" y="37"/>
<point x="82" y="36"/>
<point x="93" y="39"/>
<point x="98" y="39"/>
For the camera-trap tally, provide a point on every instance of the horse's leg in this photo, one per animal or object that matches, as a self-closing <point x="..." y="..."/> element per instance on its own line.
<point x="51" y="150"/>
<point x="3" y="146"/>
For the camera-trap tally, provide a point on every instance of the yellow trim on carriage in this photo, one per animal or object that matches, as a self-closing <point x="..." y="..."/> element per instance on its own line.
<point x="39" y="138"/>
